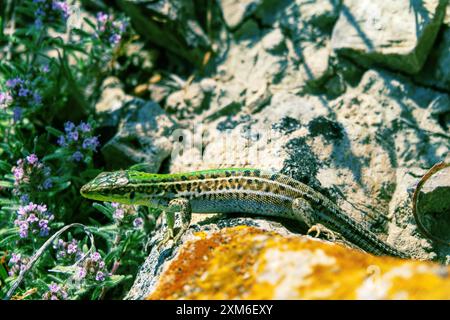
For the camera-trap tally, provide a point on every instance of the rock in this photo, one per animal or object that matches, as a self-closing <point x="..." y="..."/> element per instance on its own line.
<point x="112" y="99"/>
<point x="273" y="41"/>
<point x="143" y="137"/>
<point x="235" y="11"/>
<point x="397" y="34"/>
<point x="436" y="71"/>
<point x="362" y="147"/>
<point x="433" y="205"/>
<point x="171" y="24"/>
<point x="187" y="102"/>
<point x="252" y="259"/>
<point x="315" y="68"/>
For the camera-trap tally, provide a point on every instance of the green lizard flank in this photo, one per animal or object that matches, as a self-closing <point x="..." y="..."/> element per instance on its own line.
<point x="251" y="191"/>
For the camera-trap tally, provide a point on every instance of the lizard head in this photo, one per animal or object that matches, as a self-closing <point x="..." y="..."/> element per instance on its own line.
<point x="109" y="186"/>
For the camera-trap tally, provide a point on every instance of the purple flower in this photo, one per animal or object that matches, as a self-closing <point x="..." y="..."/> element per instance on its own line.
<point x="5" y="98"/>
<point x="47" y="184"/>
<point x="24" y="198"/>
<point x="72" y="248"/>
<point x="32" y="218"/>
<point x="84" y="127"/>
<point x="44" y="232"/>
<point x="17" y="114"/>
<point x="77" y="156"/>
<point x="23" y="92"/>
<point x="32" y="158"/>
<point x="37" y="98"/>
<point x="54" y="288"/>
<point x="100" y="276"/>
<point x="45" y="68"/>
<point x="62" y="141"/>
<point x="23" y="232"/>
<point x="43" y="223"/>
<point x="11" y="83"/>
<point x="18" y="173"/>
<point x="81" y="273"/>
<point x="14" y="258"/>
<point x="96" y="256"/>
<point x="69" y="126"/>
<point x="138" y="222"/>
<point x="115" y="38"/>
<point x="102" y="17"/>
<point x="63" y="7"/>
<point x="119" y="214"/>
<point x="91" y="143"/>
<point x="73" y="136"/>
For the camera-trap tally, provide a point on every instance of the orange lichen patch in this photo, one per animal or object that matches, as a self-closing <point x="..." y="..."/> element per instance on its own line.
<point x="249" y="263"/>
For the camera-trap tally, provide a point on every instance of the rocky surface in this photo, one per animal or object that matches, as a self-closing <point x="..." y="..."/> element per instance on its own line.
<point x="254" y="259"/>
<point x="433" y="204"/>
<point x="349" y="97"/>
<point x="396" y="34"/>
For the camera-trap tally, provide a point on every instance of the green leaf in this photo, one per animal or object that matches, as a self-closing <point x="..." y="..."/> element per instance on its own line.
<point x="5" y="201"/>
<point x="58" y="154"/>
<point x="6" y="184"/>
<point x="5" y="166"/>
<point x="3" y="273"/>
<point x="54" y="131"/>
<point x="108" y="212"/>
<point x="60" y="187"/>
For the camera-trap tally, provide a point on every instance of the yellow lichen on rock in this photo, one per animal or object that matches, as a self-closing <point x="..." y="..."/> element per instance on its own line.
<point x="250" y="263"/>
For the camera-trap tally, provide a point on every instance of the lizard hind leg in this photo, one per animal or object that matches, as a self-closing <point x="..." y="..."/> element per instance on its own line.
<point x="304" y="212"/>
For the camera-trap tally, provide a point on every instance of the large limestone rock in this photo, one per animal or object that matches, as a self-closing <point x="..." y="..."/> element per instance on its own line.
<point x="396" y="34"/>
<point x="253" y="259"/>
<point x="235" y="11"/>
<point x="364" y="149"/>
<point x="436" y="71"/>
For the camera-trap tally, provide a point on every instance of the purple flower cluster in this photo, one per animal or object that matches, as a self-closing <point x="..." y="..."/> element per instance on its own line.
<point x="17" y="263"/>
<point x="67" y="250"/>
<point x="30" y="175"/>
<point x="109" y="29"/>
<point x="125" y="216"/>
<point x="78" y="140"/>
<point x="19" y="94"/>
<point x="93" y="268"/>
<point x="33" y="218"/>
<point x="55" y="292"/>
<point x="50" y="11"/>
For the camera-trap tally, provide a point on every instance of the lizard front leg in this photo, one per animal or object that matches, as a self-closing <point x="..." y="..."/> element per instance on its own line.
<point x="183" y="206"/>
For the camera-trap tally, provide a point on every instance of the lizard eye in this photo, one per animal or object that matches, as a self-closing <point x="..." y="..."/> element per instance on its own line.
<point x="132" y="194"/>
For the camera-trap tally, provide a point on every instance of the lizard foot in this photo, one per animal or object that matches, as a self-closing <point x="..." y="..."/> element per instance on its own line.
<point x="319" y="228"/>
<point x="168" y="236"/>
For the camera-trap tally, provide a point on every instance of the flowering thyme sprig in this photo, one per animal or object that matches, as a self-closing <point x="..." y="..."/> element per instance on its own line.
<point x="109" y="29"/>
<point x="126" y="216"/>
<point x="16" y="264"/>
<point x="55" y="292"/>
<point x="47" y="11"/>
<point x="79" y="141"/>
<point x="30" y="175"/>
<point x="34" y="219"/>
<point x="92" y="269"/>
<point x="20" y="94"/>
<point x="67" y="251"/>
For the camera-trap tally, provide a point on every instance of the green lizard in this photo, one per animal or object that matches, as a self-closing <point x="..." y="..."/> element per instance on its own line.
<point x="250" y="191"/>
